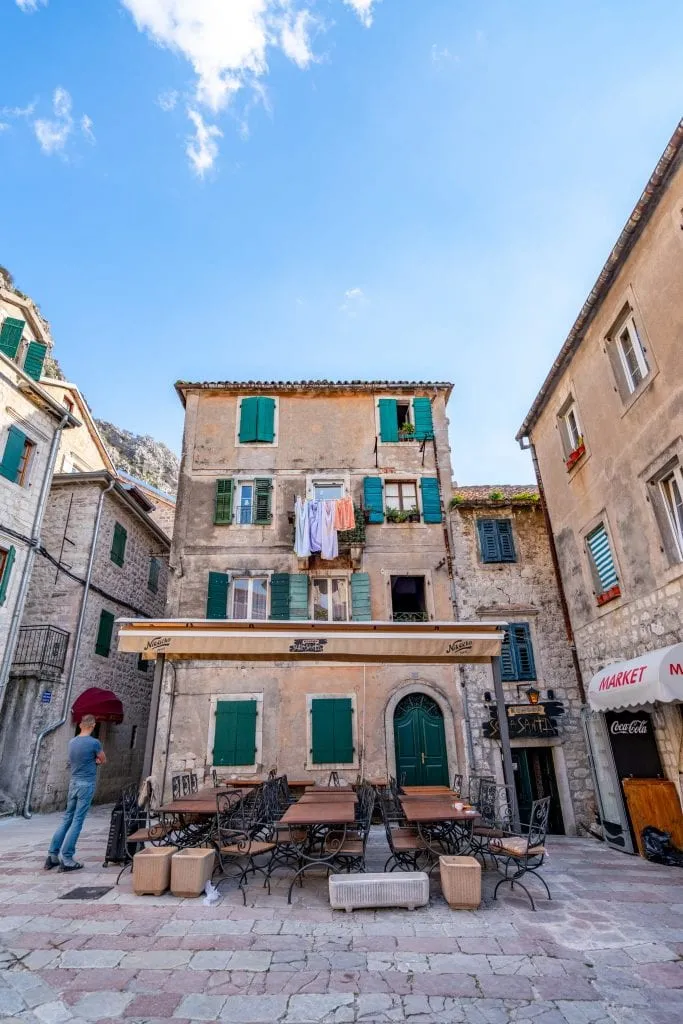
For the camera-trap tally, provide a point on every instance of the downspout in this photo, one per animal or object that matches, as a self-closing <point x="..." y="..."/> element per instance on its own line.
<point x="74" y="658"/>
<point x="556" y="567"/>
<point x="19" y="604"/>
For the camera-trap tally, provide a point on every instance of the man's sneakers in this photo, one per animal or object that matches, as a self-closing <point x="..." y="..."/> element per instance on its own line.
<point x="70" y="865"/>
<point x="51" y="862"/>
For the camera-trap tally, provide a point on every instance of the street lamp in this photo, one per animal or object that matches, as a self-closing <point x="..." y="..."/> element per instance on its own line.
<point x="533" y="695"/>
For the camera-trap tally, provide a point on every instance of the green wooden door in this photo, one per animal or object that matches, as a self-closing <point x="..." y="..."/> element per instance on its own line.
<point x="420" y="742"/>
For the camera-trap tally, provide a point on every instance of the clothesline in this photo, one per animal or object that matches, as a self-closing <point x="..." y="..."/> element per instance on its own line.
<point x="317" y="521"/>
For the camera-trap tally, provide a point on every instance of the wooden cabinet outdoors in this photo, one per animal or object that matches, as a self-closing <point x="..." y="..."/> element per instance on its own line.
<point x="654" y="802"/>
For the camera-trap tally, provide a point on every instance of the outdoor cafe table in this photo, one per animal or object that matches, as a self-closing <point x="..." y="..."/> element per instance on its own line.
<point x="437" y="820"/>
<point x="430" y="791"/>
<point x="317" y="797"/>
<point x="314" y="816"/>
<point x="191" y="819"/>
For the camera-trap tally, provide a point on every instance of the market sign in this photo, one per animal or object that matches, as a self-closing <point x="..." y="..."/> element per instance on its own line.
<point x="655" y="676"/>
<point x="526" y="721"/>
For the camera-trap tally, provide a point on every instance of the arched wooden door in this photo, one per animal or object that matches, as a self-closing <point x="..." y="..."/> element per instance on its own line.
<point x="420" y="742"/>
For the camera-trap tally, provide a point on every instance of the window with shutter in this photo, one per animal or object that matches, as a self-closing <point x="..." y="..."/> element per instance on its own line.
<point x="118" y="544"/>
<point x="372" y="498"/>
<point x="431" y="500"/>
<point x="235" y="733"/>
<point x="517" y="656"/>
<point x="298" y="596"/>
<point x="279" y="596"/>
<point x="602" y="560"/>
<point x="257" y="420"/>
<point x="153" y="578"/>
<point x="262" y="502"/>
<point x="360" y="597"/>
<point x="388" y="419"/>
<point x="7" y="556"/>
<point x="104" y="634"/>
<point x="16" y="454"/>
<point x="10" y="336"/>
<point x="422" y="414"/>
<point x="35" y="357"/>
<point x="496" y="540"/>
<point x="332" y="730"/>
<point x="217" y="595"/>
<point x="223" y="504"/>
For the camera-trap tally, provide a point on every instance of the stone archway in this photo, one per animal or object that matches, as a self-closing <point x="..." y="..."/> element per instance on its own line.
<point x="452" y="714"/>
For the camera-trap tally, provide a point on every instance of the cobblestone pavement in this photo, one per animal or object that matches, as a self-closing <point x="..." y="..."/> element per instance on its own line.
<point x="608" y="948"/>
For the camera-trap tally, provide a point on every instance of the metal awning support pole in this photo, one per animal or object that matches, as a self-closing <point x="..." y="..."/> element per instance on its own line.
<point x="153" y="714"/>
<point x="508" y="770"/>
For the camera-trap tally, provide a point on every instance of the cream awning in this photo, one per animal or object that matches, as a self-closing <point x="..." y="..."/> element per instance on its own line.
<point x="359" y="642"/>
<point x="655" y="676"/>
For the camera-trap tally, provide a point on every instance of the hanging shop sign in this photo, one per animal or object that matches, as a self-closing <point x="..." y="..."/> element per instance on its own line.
<point x="526" y="721"/>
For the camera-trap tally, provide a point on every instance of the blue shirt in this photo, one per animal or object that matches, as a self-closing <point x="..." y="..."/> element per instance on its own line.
<point x="82" y="753"/>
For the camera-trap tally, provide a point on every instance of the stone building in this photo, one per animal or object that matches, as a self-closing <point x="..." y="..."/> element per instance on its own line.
<point x="606" y="429"/>
<point x="163" y="504"/>
<point x="503" y="570"/>
<point x="249" y="451"/>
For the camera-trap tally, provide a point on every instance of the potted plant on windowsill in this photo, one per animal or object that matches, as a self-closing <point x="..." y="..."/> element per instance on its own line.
<point x="406" y="432"/>
<point x="574" y="456"/>
<point x="413" y="515"/>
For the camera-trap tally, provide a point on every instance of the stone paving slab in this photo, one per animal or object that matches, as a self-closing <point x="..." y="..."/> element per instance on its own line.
<point x="608" y="948"/>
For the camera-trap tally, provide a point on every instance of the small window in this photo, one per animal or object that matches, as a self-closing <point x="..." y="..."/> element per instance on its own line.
<point x="249" y="597"/>
<point x="671" y="487"/>
<point x="605" y="576"/>
<point x="332" y="730"/>
<point x="17" y="457"/>
<point x="253" y="502"/>
<point x="25" y="462"/>
<point x="7" y="556"/>
<point x="234" y="741"/>
<point x="257" y="420"/>
<point x="118" y="544"/>
<point x="325" y="490"/>
<point x="401" y="496"/>
<point x="516" y="654"/>
<point x="104" y="634"/>
<point x="405" y="419"/>
<point x="408" y="602"/>
<point x="153" y="578"/>
<point x="496" y="540"/>
<point x="330" y="600"/>
<point x="632" y="355"/>
<point x="404" y="415"/>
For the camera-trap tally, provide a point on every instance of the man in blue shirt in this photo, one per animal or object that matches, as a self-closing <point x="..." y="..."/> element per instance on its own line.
<point x="85" y="754"/>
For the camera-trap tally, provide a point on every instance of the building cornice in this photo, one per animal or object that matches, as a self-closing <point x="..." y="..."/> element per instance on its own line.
<point x="279" y="387"/>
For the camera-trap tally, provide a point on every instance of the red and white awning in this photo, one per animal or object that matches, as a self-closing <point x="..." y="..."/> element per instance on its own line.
<point x="655" y="676"/>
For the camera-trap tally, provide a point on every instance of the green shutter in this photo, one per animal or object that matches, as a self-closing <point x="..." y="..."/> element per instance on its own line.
<point x="360" y="597"/>
<point x="153" y="578"/>
<point x="524" y="655"/>
<point x="422" y="414"/>
<point x="263" y="489"/>
<point x="235" y="735"/>
<point x="14" y="451"/>
<point x="388" y="419"/>
<point x="265" y="426"/>
<point x="217" y="595"/>
<point x="279" y="596"/>
<point x="372" y="498"/>
<point x="332" y="730"/>
<point x="104" y="633"/>
<point x="10" y="336"/>
<point x="223" y="505"/>
<point x="35" y="357"/>
<point x="118" y="544"/>
<point x="298" y="596"/>
<point x="508" y="668"/>
<point x="488" y="540"/>
<point x="248" y="420"/>
<point x="506" y="540"/>
<point x="431" y="499"/>
<point x="6" y="573"/>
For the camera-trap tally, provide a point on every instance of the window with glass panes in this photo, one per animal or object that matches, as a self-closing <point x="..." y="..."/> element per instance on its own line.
<point x="325" y="490"/>
<point x="401" y="495"/>
<point x="632" y="355"/>
<point x="672" y="492"/>
<point x="249" y="597"/>
<point x="244" y="510"/>
<point x="330" y="599"/>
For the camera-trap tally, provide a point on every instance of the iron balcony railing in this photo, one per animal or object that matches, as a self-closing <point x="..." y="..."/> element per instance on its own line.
<point x="41" y="650"/>
<point x="410" y="617"/>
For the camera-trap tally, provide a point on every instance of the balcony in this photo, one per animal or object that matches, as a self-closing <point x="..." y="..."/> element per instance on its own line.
<point x="410" y="617"/>
<point x="41" y="651"/>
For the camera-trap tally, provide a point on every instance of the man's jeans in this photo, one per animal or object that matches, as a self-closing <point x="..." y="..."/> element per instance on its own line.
<point x="78" y="802"/>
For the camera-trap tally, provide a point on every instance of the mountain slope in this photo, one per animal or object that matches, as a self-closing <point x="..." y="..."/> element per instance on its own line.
<point x="141" y="456"/>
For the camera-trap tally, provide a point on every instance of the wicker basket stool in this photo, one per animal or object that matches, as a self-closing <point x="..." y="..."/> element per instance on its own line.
<point x="152" y="870"/>
<point x="191" y="869"/>
<point x="461" y="882"/>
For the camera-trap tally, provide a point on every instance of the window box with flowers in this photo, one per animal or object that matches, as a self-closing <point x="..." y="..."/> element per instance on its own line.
<point x="575" y="455"/>
<point x="397" y="515"/>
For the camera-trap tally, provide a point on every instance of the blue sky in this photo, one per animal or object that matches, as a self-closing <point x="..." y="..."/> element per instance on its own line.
<point x="280" y="189"/>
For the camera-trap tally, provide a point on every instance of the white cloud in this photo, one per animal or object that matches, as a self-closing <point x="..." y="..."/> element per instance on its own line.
<point x="441" y="55"/>
<point x="86" y="128"/>
<point x="168" y="100"/>
<point x="202" y="149"/>
<point x="31" y="5"/>
<point x="363" y="9"/>
<point x="4" y="127"/>
<point x="354" y="300"/>
<point x="18" y="111"/>
<point x="295" y="38"/>
<point x="52" y="135"/>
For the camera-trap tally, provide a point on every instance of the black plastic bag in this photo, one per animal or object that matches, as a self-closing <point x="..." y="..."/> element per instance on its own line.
<point x="658" y="848"/>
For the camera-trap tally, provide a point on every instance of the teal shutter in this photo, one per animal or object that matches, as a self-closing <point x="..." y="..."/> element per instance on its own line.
<point x="279" y="596"/>
<point x="298" y="596"/>
<point x="506" y="540"/>
<point x="235" y="734"/>
<point x="431" y="499"/>
<point x="118" y="544"/>
<point x="104" y="634"/>
<point x="372" y="498"/>
<point x="6" y="573"/>
<point x="508" y="669"/>
<point x="263" y="490"/>
<point x="601" y="557"/>
<point x="217" y="595"/>
<point x="35" y="357"/>
<point x="265" y="421"/>
<point x="332" y="730"/>
<point x="14" y="451"/>
<point x="223" y="505"/>
<point x="422" y="414"/>
<point x="10" y="336"/>
<point x="248" y="420"/>
<point x="360" y="597"/>
<point x="153" y="578"/>
<point x="488" y="540"/>
<point x="388" y="419"/>
<point x="516" y="655"/>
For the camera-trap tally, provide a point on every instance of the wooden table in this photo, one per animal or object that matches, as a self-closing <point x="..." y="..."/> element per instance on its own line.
<point x="314" y="797"/>
<point x="314" y="815"/>
<point x="438" y="822"/>
<point x="430" y="791"/>
<point x="419" y="809"/>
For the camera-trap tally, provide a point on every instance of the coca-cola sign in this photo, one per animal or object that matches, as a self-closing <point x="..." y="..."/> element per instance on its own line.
<point x="636" y="727"/>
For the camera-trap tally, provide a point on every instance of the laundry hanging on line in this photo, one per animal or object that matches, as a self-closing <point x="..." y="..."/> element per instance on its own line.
<point x="317" y="524"/>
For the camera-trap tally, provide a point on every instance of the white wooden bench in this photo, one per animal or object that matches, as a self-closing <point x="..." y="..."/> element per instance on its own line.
<point x="408" y="889"/>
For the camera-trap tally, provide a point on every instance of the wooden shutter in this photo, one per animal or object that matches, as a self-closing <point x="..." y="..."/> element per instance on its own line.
<point x="431" y="499"/>
<point x="153" y="579"/>
<point x="506" y="541"/>
<point x="332" y="730"/>
<point x="388" y="419"/>
<point x="118" y="544"/>
<point x="265" y="420"/>
<point x="6" y="573"/>
<point x="35" y="357"/>
<point x="14" y="450"/>
<point x="235" y="734"/>
<point x="488" y="540"/>
<point x="279" y="596"/>
<point x="360" y="597"/>
<point x="223" y="506"/>
<point x="601" y="557"/>
<point x="508" y="667"/>
<point x="104" y="633"/>
<point x="263" y="490"/>
<point x="248" y="420"/>
<point x="298" y="596"/>
<point x="372" y="498"/>
<point x="523" y="652"/>
<point x="10" y="336"/>
<point x="217" y="595"/>
<point x="422" y="414"/>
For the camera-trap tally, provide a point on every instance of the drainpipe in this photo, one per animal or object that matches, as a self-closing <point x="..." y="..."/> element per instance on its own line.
<point x="74" y="658"/>
<point x="556" y="566"/>
<point x="34" y="544"/>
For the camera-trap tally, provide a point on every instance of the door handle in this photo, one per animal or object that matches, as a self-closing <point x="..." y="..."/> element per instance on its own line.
<point x="422" y="755"/>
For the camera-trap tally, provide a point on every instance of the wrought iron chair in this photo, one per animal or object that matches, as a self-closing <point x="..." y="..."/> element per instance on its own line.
<point x="348" y="848"/>
<point x="406" y="845"/>
<point x="241" y="835"/>
<point x="474" y="786"/>
<point x="495" y="819"/>
<point x="184" y="784"/>
<point x="457" y="784"/>
<point x="288" y="841"/>
<point x="525" y="852"/>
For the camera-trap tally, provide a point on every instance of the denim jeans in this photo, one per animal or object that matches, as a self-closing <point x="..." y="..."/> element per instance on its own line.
<point x="78" y="802"/>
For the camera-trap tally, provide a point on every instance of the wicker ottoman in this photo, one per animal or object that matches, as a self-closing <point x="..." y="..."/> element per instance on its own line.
<point x="461" y="882"/>
<point x="152" y="870"/>
<point x="191" y="869"/>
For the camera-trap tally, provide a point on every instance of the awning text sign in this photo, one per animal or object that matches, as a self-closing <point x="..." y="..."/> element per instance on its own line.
<point x="655" y="676"/>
